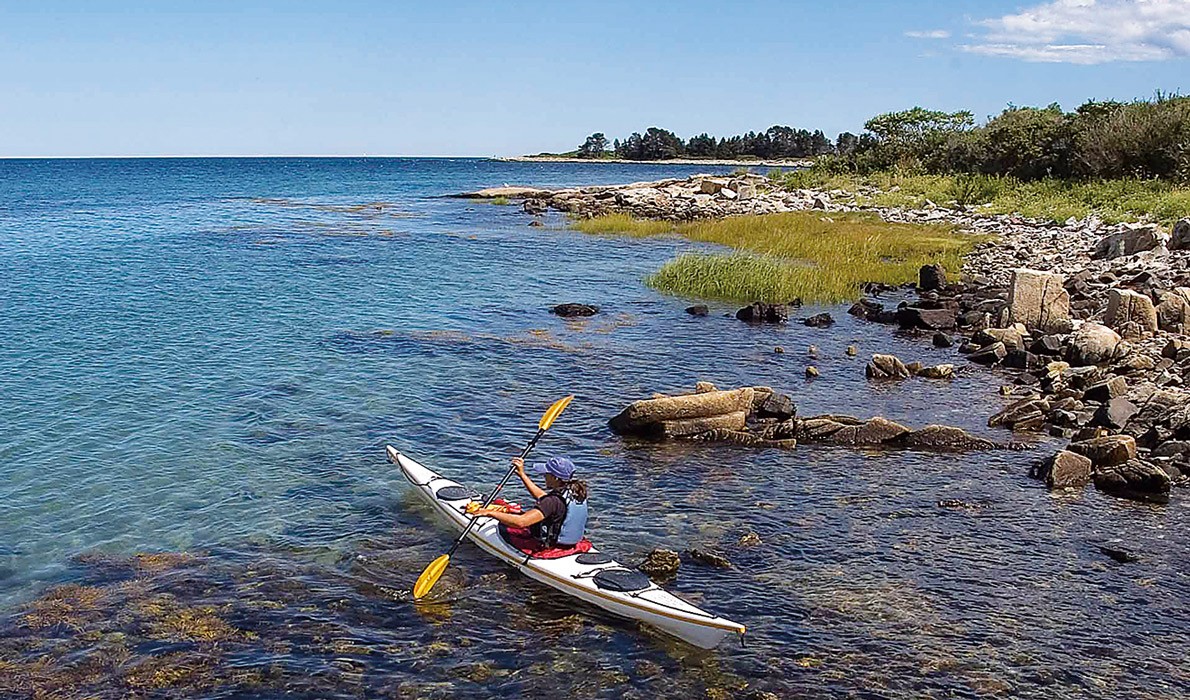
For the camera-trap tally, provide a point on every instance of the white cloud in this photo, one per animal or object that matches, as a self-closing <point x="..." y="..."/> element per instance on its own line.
<point x="1089" y="32"/>
<point x="929" y="34"/>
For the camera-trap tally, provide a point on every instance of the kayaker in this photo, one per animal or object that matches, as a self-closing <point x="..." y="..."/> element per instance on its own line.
<point x="559" y="518"/>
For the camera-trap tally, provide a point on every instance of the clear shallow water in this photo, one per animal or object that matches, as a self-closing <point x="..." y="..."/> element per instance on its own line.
<point x="209" y="355"/>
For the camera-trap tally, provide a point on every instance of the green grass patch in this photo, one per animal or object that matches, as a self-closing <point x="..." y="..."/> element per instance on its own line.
<point x="811" y="255"/>
<point x="622" y="225"/>
<point x="817" y="257"/>
<point x="499" y="201"/>
<point x="1057" y="200"/>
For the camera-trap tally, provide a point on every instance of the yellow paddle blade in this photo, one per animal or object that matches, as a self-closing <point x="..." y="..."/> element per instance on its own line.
<point x="554" y="411"/>
<point x="430" y="576"/>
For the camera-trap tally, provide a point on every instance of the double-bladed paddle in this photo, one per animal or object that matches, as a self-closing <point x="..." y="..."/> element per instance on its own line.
<point x="433" y="572"/>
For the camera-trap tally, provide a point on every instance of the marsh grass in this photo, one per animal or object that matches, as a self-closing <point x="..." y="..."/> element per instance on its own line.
<point x="500" y="201"/>
<point x="1057" y="200"/>
<point x="622" y="225"/>
<point x="815" y="257"/>
<point x="778" y="257"/>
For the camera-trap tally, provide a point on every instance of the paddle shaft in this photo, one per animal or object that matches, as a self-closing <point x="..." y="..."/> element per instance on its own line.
<point x="492" y="496"/>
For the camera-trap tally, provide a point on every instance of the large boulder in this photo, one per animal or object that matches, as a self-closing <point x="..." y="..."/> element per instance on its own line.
<point x="685" y="427"/>
<point x="875" y="431"/>
<point x="1093" y="344"/>
<point x="943" y="437"/>
<point x="931" y="277"/>
<point x="1134" y="479"/>
<point x="886" y="367"/>
<point x="1039" y="301"/>
<point x="1115" y="413"/>
<point x="646" y="418"/>
<point x="760" y="312"/>
<point x="1173" y="313"/>
<point x="1132" y="240"/>
<point x="1064" y="469"/>
<point x="1181" y="236"/>
<point x="1026" y="414"/>
<point x="1130" y="313"/>
<point x="1107" y="451"/>
<point x="928" y="319"/>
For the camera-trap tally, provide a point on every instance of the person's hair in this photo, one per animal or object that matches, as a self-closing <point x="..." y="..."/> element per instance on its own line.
<point x="577" y="488"/>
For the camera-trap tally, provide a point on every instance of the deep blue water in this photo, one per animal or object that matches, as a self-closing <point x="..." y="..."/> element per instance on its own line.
<point x="210" y="354"/>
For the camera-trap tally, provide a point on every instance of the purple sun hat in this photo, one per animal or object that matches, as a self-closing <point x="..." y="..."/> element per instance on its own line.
<point x="560" y="467"/>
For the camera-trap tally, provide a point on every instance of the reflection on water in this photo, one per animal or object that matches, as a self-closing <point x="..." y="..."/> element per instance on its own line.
<point x="168" y="389"/>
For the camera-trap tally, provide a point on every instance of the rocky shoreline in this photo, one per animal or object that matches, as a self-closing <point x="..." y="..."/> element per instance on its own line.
<point x="1088" y="320"/>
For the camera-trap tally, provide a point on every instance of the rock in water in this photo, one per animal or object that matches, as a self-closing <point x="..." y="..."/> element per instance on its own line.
<point x="886" y="367"/>
<point x="819" y="320"/>
<point x="661" y="563"/>
<point x="709" y="558"/>
<point x="937" y="372"/>
<point x="1064" y="469"/>
<point x="750" y="539"/>
<point x="927" y="319"/>
<point x="645" y="418"/>
<point x="1038" y="300"/>
<point x="760" y="312"/>
<point x="944" y="437"/>
<point x="930" y="278"/>
<point x="1136" y="480"/>
<point x="698" y="310"/>
<point x="574" y="310"/>
<point x="1130" y="313"/>
<point x="811" y="372"/>
<point x="942" y="340"/>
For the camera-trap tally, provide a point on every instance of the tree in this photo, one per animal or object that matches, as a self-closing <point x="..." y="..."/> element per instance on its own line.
<point x="658" y="144"/>
<point x="846" y="144"/>
<point x="701" y="146"/>
<point x="594" y="146"/>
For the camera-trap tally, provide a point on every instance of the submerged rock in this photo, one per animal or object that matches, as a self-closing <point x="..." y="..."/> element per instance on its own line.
<point x="944" y="437"/>
<point x="709" y="558"/>
<point x="821" y="320"/>
<point x="661" y="564"/>
<point x="698" y="310"/>
<point x="574" y="310"/>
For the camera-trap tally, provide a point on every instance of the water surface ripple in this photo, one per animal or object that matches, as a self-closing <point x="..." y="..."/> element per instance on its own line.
<point x="208" y="356"/>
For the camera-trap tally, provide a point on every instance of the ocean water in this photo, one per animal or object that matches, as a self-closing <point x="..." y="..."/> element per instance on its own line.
<point x="209" y="355"/>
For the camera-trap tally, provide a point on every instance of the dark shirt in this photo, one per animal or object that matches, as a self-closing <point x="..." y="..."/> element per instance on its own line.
<point x="553" y="508"/>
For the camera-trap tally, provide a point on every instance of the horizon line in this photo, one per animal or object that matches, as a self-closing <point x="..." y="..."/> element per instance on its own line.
<point x="362" y="155"/>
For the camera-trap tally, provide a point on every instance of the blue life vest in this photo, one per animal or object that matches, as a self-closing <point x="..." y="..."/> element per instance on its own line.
<point x="569" y="531"/>
<point x="574" y="524"/>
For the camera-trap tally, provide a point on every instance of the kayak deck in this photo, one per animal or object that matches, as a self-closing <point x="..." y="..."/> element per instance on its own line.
<point x="592" y="577"/>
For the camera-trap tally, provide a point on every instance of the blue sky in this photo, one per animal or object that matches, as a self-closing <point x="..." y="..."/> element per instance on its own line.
<point x="481" y="78"/>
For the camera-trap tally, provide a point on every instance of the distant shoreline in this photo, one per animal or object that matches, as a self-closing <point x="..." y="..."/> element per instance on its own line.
<point x="779" y="163"/>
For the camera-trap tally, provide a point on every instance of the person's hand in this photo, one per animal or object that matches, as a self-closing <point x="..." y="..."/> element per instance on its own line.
<point x="519" y="464"/>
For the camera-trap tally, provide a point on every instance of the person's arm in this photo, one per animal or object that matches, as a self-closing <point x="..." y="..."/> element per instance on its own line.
<point x="529" y="517"/>
<point x="534" y="490"/>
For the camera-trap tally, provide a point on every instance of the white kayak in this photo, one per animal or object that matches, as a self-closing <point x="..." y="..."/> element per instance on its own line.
<point x="591" y="576"/>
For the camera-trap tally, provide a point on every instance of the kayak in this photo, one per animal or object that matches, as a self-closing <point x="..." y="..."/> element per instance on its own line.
<point x="590" y="575"/>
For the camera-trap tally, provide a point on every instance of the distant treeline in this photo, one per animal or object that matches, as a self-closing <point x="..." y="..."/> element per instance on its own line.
<point x="1100" y="139"/>
<point x="659" y="144"/>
